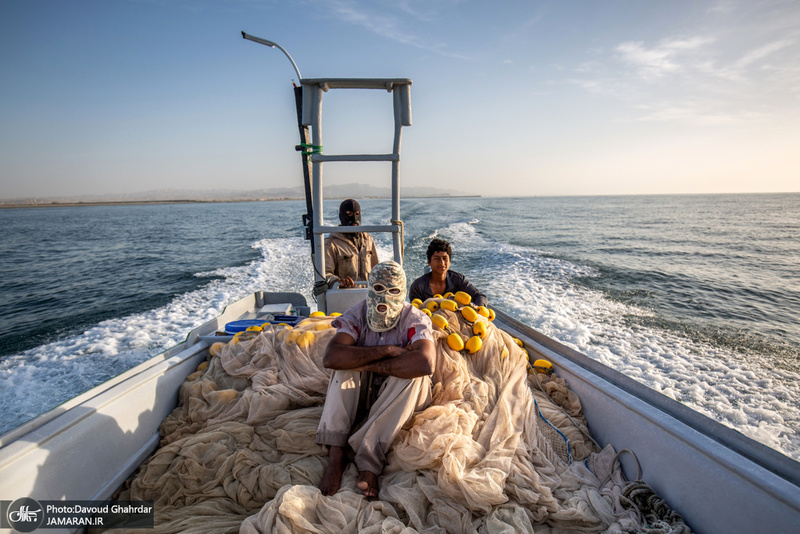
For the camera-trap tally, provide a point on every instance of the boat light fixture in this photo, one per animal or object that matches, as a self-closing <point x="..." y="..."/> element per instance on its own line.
<point x="273" y="44"/>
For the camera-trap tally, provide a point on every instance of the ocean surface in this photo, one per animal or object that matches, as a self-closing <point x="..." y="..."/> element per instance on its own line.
<point x="698" y="297"/>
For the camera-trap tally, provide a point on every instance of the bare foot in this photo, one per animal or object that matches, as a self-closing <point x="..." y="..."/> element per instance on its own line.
<point x="332" y="478"/>
<point x="368" y="483"/>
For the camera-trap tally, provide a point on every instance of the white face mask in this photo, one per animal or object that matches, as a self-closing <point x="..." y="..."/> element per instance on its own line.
<point x="386" y="295"/>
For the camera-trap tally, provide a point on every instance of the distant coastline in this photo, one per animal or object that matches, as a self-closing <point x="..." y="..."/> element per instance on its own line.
<point x="187" y="201"/>
<point x="126" y="203"/>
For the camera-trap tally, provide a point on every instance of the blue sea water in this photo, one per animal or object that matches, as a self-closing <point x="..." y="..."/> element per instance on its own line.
<point x="697" y="297"/>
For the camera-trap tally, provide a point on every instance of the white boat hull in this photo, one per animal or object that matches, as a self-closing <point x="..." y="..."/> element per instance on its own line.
<point x="719" y="480"/>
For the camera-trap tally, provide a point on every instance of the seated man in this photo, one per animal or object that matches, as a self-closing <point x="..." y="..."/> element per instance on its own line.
<point x="382" y="356"/>
<point x="441" y="280"/>
<point x="349" y="256"/>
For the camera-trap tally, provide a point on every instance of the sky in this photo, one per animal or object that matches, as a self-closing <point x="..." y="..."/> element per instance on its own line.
<point x="509" y="98"/>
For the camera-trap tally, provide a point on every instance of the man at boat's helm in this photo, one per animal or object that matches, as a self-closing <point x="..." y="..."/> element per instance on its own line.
<point x="349" y="256"/>
<point x="382" y="357"/>
<point x="441" y="279"/>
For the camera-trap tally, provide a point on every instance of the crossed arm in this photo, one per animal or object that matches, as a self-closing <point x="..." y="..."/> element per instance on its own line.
<point x="411" y="362"/>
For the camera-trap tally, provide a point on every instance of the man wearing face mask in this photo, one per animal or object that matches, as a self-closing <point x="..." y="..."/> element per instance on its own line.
<point x="382" y="357"/>
<point x="349" y="256"/>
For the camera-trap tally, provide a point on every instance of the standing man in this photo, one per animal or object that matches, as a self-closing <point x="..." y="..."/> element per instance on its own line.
<point x="382" y="357"/>
<point x="441" y="279"/>
<point x="349" y="256"/>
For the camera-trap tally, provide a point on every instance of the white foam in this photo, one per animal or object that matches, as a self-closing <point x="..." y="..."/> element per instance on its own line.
<point x="41" y="378"/>
<point x="747" y="394"/>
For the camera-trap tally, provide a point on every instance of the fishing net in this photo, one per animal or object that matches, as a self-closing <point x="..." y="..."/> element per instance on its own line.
<point x="499" y="449"/>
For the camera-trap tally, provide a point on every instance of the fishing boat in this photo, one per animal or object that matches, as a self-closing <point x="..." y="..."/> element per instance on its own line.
<point x="715" y="478"/>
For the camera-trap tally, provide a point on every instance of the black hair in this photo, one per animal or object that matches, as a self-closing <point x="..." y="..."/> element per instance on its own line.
<point x="439" y="245"/>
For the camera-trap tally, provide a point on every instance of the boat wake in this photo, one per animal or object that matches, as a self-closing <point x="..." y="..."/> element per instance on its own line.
<point x="41" y="378"/>
<point x="745" y="393"/>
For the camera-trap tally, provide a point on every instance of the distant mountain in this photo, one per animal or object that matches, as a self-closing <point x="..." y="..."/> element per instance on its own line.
<point x="359" y="191"/>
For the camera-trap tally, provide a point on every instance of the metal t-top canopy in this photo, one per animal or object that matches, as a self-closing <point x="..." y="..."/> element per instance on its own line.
<point x="309" y="99"/>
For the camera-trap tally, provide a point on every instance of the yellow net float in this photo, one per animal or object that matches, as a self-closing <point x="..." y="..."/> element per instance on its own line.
<point x="463" y="298"/>
<point x="437" y="296"/>
<point x="469" y="313"/>
<point x="417" y="303"/>
<point x="194" y="376"/>
<point x="455" y="341"/>
<point x="518" y="342"/>
<point x="427" y="312"/>
<point x="448" y="295"/>
<point x="225" y="395"/>
<point x="543" y="366"/>
<point x="305" y="340"/>
<point x="449" y="305"/>
<point x="323" y="326"/>
<point x="473" y="344"/>
<point x="491" y="314"/>
<point x="317" y="314"/>
<point x="216" y="348"/>
<point x="483" y="310"/>
<point x="335" y="314"/>
<point x="293" y="336"/>
<point x="504" y="354"/>
<point x="244" y="335"/>
<point x="433" y="306"/>
<point x="440" y="321"/>
<point x="479" y="329"/>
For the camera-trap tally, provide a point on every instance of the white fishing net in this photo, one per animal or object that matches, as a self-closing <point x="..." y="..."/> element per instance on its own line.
<point x="490" y="454"/>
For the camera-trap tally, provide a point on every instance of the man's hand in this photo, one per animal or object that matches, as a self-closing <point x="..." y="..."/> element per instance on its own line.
<point x="346" y="282"/>
<point x="416" y="360"/>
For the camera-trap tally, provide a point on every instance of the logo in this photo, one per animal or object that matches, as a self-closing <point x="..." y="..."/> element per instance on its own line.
<point x="25" y="515"/>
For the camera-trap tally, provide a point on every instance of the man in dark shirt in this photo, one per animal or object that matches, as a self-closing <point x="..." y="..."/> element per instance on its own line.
<point x="441" y="279"/>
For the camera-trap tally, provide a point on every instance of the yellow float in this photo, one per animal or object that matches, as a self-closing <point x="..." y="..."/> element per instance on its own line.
<point x="463" y="298"/>
<point x="449" y="305"/>
<point x="440" y="321"/>
<point x="305" y="340"/>
<point x="469" y="313"/>
<point x="455" y="341"/>
<point x="473" y="344"/>
<point x="479" y="329"/>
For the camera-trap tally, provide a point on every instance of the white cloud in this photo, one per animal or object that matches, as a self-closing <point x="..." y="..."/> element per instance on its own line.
<point x="763" y="52"/>
<point x="661" y="60"/>
<point x="389" y="21"/>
